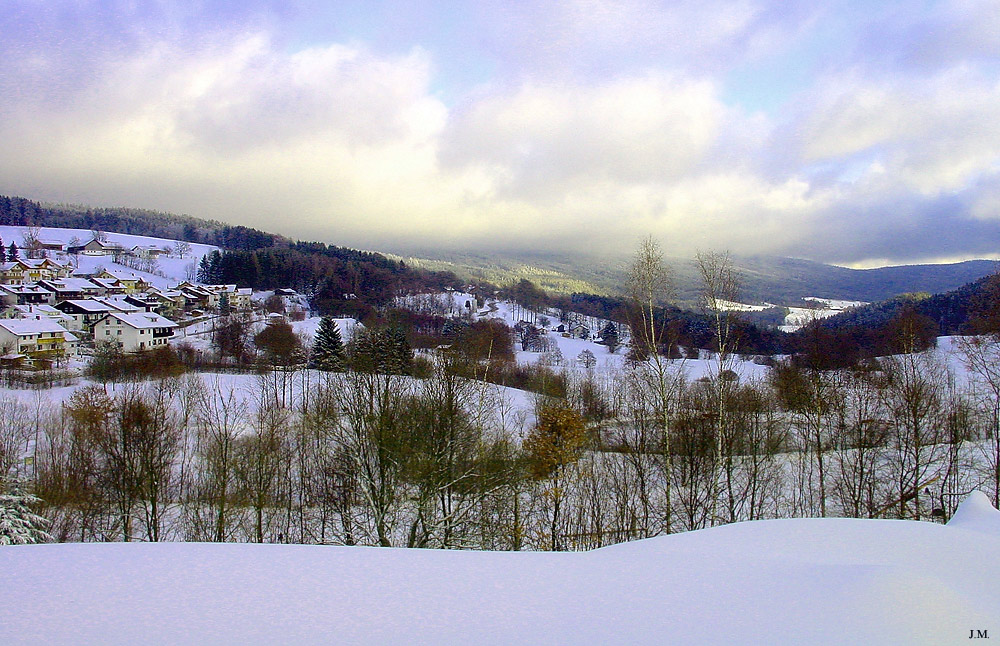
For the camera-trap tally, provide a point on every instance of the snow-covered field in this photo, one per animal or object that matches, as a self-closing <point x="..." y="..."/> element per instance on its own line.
<point x="814" y="581"/>
<point x="825" y="308"/>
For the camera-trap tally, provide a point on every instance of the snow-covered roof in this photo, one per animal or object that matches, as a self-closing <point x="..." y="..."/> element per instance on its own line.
<point x="122" y="275"/>
<point x="142" y="320"/>
<point x="118" y="303"/>
<point x="26" y="289"/>
<point x="72" y="284"/>
<point x="92" y="305"/>
<point x="40" y="262"/>
<point x="103" y="282"/>
<point x="42" y="308"/>
<point x="24" y="327"/>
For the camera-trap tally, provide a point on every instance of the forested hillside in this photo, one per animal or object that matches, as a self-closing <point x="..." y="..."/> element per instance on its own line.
<point x="964" y="310"/>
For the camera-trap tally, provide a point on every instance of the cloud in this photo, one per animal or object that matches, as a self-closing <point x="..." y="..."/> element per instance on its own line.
<point x="240" y="131"/>
<point x="545" y="137"/>
<point x="601" y="123"/>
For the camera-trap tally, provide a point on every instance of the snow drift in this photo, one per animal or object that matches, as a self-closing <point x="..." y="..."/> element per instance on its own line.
<point x="813" y="581"/>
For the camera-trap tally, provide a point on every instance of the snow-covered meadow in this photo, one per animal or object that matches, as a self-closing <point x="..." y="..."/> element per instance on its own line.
<point x="777" y="582"/>
<point x="802" y="581"/>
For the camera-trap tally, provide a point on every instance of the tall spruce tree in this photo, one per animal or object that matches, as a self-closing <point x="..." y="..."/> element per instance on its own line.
<point x="225" y="308"/>
<point x="399" y="352"/>
<point x="609" y="337"/>
<point x="12" y="252"/>
<point x="328" y="348"/>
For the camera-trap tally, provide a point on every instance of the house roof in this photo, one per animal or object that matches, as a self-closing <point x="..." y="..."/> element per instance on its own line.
<point x="40" y="262"/>
<point x="103" y="282"/>
<point x="118" y="303"/>
<point x="142" y="320"/>
<point x="25" y="327"/>
<point x="71" y="284"/>
<point x="31" y="310"/>
<point x="91" y="305"/>
<point x="26" y="289"/>
<point x="122" y="275"/>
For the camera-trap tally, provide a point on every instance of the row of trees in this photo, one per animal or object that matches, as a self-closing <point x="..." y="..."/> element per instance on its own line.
<point x="361" y="453"/>
<point x="368" y="457"/>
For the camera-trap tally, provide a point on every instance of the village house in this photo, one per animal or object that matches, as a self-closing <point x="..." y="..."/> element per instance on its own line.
<point x="73" y="288"/>
<point x="195" y="296"/>
<point x="39" y="248"/>
<point x="129" y="282"/>
<point x="239" y="297"/>
<point x="37" y="338"/>
<point x="146" y="302"/>
<point x="134" y="332"/>
<point x="36" y="311"/>
<point x="172" y="301"/>
<point x="147" y="252"/>
<point x="26" y="295"/>
<point x="51" y="245"/>
<point x="47" y="269"/>
<point x="26" y="270"/>
<point x="13" y="272"/>
<point x="109" y="286"/>
<point x="84" y="313"/>
<point x="97" y="248"/>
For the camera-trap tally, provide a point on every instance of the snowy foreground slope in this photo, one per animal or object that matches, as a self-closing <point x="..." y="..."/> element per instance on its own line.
<point x="817" y="581"/>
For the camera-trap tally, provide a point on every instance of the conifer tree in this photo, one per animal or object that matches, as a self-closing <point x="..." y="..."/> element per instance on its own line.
<point x="609" y="337"/>
<point x="328" y="348"/>
<point x="400" y="353"/>
<point x="225" y="309"/>
<point x="381" y="351"/>
<point x="19" y="525"/>
<point x="12" y="252"/>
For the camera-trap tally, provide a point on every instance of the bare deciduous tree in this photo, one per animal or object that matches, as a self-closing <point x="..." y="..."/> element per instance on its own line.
<point x="720" y="287"/>
<point x="650" y="285"/>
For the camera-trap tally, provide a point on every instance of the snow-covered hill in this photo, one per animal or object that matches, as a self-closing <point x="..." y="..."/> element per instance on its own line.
<point x="814" y="581"/>
<point x="170" y="269"/>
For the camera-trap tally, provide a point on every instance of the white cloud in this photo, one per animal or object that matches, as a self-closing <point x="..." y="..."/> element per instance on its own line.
<point x="546" y="137"/>
<point x="613" y="127"/>
<point x="930" y="134"/>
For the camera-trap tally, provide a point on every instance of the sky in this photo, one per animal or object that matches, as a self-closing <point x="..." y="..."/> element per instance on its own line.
<point x="852" y="132"/>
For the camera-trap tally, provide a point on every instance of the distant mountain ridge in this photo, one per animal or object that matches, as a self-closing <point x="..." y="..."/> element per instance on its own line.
<point x="791" y="278"/>
<point x="779" y="280"/>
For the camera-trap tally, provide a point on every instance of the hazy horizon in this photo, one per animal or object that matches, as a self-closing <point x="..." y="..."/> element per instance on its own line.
<point x="849" y="133"/>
